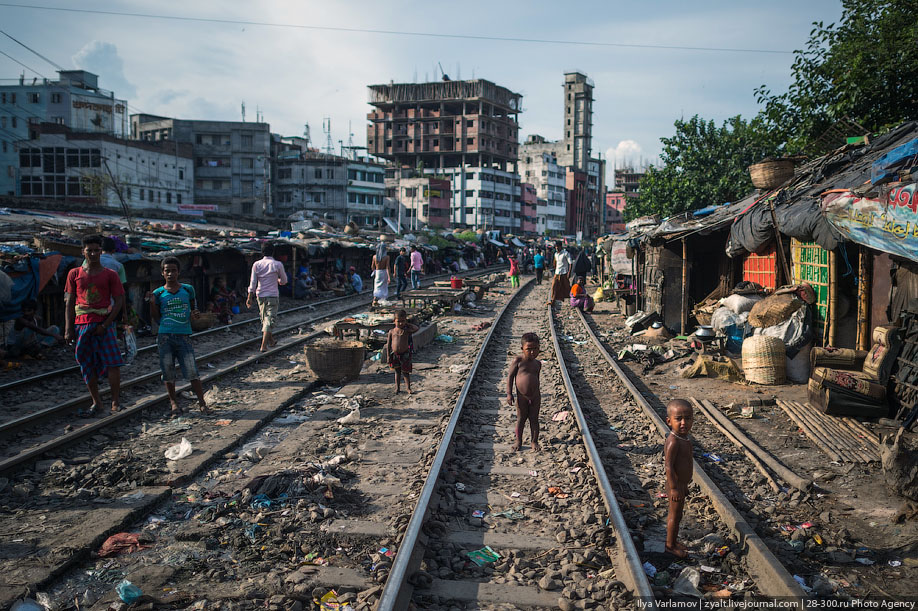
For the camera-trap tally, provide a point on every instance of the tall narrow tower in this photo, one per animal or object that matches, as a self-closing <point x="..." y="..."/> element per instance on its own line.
<point x="578" y="121"/>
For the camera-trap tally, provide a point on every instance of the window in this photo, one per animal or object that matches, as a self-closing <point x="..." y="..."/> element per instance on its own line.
<point x="129" y="194"/>
<point x="470" y="193"/>
<point x="469" y="140"/>
<point x="13" y="121"/>
<point x="216" y="185"/>
<point x="285" y="173"/>
<point x="470" y="175"/>
<point x="168" y="197"/>
<point x="329" y="172"/>
<point x="4" y="146"/>
<point x="199" y="139"/>
<point x="159" y="197"/>
<point x="248" y="140"/>
<point x="318" y="173"/>
<point x="34" y="98"/>
<point x="248" y="163"/>
<point x="352" y="174"/>
<point x="57" y="120"/>
<point x="352" y="198"/>
<point x="248" y="207"/>
<point x="3" y="122"/>
<point x="12" y="98"/>
<point x="31" y="185"/>
<point x="181" y="174"/>
<point x="141" y="195"/>
<point x="469" y="210"/>
<point x="3" y="98"/>
<point x="56" y="98"/>
<point x="74" y="188"/>
<point x="248" y="187"/>
<point x="178" y="198"/>
<point x="469" y="123"/>
<point x="150" y="195"/>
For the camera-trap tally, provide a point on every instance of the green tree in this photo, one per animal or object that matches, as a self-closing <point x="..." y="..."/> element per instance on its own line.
<point x="864" y="69"/>
<point x="703" y="164"/>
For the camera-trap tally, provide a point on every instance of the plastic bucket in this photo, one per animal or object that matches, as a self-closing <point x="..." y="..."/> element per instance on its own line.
<point x="455" y="283"/>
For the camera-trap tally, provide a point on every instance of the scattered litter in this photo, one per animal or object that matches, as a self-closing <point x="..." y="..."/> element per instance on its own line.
<point x="817" y="539"/>
<point x="650" y="569"/>
<point x="661" y="495"/>
<point x="291" y="419"/>
<point x="895" y="563"/>
<point x="385" y="551"/>
<point x="687" y="582"/>
<point x="351" y="418"/>
<point x="713" y="457"/>
<point x="478" y="513"/>
<point x="707" y="569"/>
<point x="128" y="592"/>
<point x="725" y="593"/>
<point x="514" y="513"/>
<point x="802" y="583"/>
<point x="460" y="486"/>
<point x="560" y="416"/>
<point x="747" y="411"/>
<point x="797" y="546"/>
<point x="483" y="556"/>
<point x="122" y="543"/>
<point x="722" y="551"/>
<point x="344" y="431"/>
<point x="446" y="339"/>
<point x="515" y="495"/>
<point x="178" y="451"/>
<point x="557" y="492"/>
<point x="376" y="356"/>
<point x="576" y="469"/>
<point x="223" y="422"/>
<point x="533" y="473"/>
<point x="614" y="427"/>
<point x="340" y="396"/>
<point x="806" y="525"/>
<point x="865" y="561"/>
<point x="168" y="428"/>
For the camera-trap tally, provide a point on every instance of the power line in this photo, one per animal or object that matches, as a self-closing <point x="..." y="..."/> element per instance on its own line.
<point x="20" y="63"/>
<point x="22" y="44"/>
<point x="584" y="43"/>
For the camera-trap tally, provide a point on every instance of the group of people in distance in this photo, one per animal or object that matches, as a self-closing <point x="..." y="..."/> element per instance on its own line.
<point x="407" y="267"/>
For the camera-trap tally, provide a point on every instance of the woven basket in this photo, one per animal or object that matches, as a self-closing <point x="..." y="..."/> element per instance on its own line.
<point x="764" y="361"/>
<point x="772" y="173"/>
<point x="774" y="310"/>
<point x="334" y="360"/>
<point x="203" y="322"/>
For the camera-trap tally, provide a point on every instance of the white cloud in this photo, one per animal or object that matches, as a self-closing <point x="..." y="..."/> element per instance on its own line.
<point x="625" y="153"/>
<point x="102" y="58"/>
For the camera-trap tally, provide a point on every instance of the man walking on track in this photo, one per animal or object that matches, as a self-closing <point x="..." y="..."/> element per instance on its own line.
<point x="417" y="261"/>
<point x="94" y="298"/>
<point x="267" y="275"/>
<point x="561" y="284"/>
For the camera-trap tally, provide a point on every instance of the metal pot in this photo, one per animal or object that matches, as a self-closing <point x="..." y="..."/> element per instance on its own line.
<point x="705" y="332"/>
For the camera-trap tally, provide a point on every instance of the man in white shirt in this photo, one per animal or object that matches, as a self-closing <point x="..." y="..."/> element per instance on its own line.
<point x="561" y="284"/>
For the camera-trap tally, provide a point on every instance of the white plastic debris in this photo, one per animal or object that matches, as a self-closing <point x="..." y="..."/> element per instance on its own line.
<point x="179" y="450"/>
<point x="687" y="582"/>
<point x="351" y="418"/>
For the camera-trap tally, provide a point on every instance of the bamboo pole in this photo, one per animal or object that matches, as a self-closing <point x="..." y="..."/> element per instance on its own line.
<point x="860" y="428"/>
<point x="684" y="318"/>
<point x="864" y="282"/>
<point x="829" y="432"/>
<point x="815" y="438"/>
<point x="833" y="297"/>
<point x="760" y="467"/>
<point x="781" y="470"/>
<point x="843" y="436"/>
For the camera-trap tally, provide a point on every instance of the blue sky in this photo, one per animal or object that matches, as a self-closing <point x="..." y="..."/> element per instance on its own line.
<point x="296" y="76"/>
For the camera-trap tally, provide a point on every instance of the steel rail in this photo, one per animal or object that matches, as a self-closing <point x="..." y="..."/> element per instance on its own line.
<point x="394" y="594"/>
<point x="31" y="454"/>
<point x="629" y="559"/>
<point x="772" y="577"/>
<point x="8" y="428"/>
<point x="74" y="368"/>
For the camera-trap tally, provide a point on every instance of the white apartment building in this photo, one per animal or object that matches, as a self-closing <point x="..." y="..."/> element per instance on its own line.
<point x="486" y="198"/>
<point x="540" y="168"/>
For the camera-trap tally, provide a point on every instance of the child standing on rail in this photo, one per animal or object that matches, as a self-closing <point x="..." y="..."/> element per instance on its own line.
<point x="524" y="376"/>
<point x="677" y="457"/>
<point x="399" y="346"/>
<point x="172" y="307"/>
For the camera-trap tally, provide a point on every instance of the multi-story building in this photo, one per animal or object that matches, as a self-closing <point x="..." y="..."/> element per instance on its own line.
<point x="529" y="202"/>
<point x="539" y="167"/>
<point x="231" y="160"/>
<point x="422" y="201"/>
<point x="74" y="100"/>
<point x="596" y="197"/>
<point x="365" y="191"/>
<point x="615" y="212"/>
<point x="578" y="121"/>
<point x="465" y="130"/>
<point x="313" y="183"/>
<point x="98" y="169"/>
<point x="628" y="180"/>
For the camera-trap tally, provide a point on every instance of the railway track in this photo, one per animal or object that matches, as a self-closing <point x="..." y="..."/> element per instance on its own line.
<point x="29" y="445"/>
<point x="710" y="519"/>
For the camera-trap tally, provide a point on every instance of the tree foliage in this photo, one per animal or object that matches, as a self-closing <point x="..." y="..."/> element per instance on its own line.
<point x="703" y="164"/>
<point x="864" y="69"/>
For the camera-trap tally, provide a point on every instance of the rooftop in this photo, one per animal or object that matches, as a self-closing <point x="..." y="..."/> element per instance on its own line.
<point x="445" y="90"/>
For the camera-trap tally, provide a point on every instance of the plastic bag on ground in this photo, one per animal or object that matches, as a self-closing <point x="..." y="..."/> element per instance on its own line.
<point x="740" y="303"/>
<point x="130" y="345"/>
<point x="128" y="592"/>
<point x="179" y="450"/>
<point x="687" y="582"/>
<point x="351" y="418"/>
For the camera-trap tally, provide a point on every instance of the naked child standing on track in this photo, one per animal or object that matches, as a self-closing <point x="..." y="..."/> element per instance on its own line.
<point x="677" y="458"/>
<point x="399" y="346"/>
<point x="524" y="376"/>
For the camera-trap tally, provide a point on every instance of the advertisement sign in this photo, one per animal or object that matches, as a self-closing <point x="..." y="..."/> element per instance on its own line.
<point x="97" y="114"/>
<point x="889" y="225"/>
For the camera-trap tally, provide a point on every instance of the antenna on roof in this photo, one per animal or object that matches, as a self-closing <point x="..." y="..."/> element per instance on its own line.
<point x="306" y="134"/>
<point x="243" y="111"/>
<point x="329" y="145"/>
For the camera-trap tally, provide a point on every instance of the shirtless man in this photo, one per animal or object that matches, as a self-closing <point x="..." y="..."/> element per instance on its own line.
<point x="677" y="457"/>
<point x="524" y="375"/>
<point x="399" y="346"/>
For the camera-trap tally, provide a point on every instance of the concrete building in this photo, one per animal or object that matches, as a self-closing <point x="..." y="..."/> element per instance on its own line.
<point x="231" y="161"/>
<point x="61" y="164"/>
<point x="539" y="167"/>
<point x="577" y="144"/>
<point x="467" y="131"/>
<point x="628" y="180"/>
<point x="529" y="202"/>
<point x="313" y="183"/>
<point x="365" y="191"/>
<point x="75" y="100"/>
<point x="615" y="212"/>
<point x="596" y="198"/>
<point x="421" y="201"/>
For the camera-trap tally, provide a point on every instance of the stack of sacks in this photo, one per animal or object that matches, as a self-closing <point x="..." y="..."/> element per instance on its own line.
<point x="730" y="318"/>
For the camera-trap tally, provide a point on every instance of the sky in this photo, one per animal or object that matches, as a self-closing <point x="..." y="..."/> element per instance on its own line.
<point x="296" y="75"/>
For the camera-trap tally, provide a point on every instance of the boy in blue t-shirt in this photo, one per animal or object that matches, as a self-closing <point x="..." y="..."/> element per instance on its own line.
<point x="172" y="307"/>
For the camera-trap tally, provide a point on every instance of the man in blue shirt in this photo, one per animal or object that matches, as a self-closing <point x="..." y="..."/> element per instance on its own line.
<point x="172" y="309"/>
<point x="538" y="261"/>
<point x="356" y="280"/>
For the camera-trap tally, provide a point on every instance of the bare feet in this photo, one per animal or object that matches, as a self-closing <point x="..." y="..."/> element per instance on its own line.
<point x="516" y="447"/>
<point x="397" y="390"/>
<point x="116" y="407"/>
<point x="204" y="409"/>
<point x="678" y="550"/>
<point x="409" y="390"/>
<point x="536" y="447"/>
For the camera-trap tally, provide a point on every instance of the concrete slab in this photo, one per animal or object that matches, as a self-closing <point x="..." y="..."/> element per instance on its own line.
<point x="493" y="593"/>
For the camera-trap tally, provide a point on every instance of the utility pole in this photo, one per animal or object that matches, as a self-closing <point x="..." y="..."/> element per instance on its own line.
<point x="124" y="207"/>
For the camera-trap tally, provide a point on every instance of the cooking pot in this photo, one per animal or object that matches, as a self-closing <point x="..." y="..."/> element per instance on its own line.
<point x="705" y="332"/>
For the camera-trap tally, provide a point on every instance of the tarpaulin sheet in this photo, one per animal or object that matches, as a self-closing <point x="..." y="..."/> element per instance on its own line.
<point x="618" y="258"/>
<point x="889" y="225"/>
<point x="802" y="219"/>
<point x="25" y="286"/>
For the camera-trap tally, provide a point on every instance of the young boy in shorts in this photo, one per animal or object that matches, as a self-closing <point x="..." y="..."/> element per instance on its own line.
<point x="172" y="307"/>
<point x="677" y="457"/>
<point x="524" y="376"/>
<point x="399" y="346"/>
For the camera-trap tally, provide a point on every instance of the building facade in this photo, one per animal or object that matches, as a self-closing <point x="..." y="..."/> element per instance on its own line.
<point x="577" y="144"/>
<point x="99" y="170"/>
<point x="313" y="183"/>
<point x="628" y="180"/>
<point x="423" y="201"/>
<point x="466" y="131"/>
<point x="615" y="212"/>
<point x="231" y="160"/>
<point x="74" y="100"/>
<point x="529" y="201"/>
<point x="365" y="191"/>
<point x="539" y="167"/>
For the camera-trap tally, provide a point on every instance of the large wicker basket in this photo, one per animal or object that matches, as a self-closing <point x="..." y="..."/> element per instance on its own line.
<point x="771" y="173"/>
<point x="764" y="361"/>
<point x="335" y="360"/>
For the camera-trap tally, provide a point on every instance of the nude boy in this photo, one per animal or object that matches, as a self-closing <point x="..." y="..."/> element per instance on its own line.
<point x="524" y="376"/>
<point x="399" y="346"/>
<point x="677" y="457"/>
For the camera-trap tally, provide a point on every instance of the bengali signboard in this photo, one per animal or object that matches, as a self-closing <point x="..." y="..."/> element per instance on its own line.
<point x="196" y="209"/>
<point x="889" y="224"/>
<point x="97" y="114"/>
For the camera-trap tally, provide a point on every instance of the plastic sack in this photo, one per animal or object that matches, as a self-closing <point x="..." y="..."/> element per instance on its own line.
<point x="130" y="345"/>
<point x="599" y="295"/>
<point x="724" y="317"/>
<point x="179" y="451"/>
<point x="26" y="604"/>
<point x="740" y="303"/>
<point x="128" y="592"/>
<point x="798" y="368"/>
